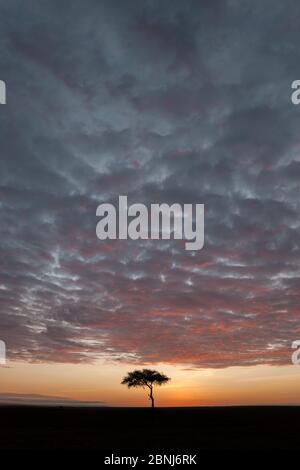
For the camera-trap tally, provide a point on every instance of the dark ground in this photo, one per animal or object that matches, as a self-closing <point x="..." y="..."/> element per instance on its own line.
<point x="176" y="429"/>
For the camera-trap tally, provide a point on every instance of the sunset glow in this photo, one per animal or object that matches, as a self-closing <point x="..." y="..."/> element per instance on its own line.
<point x="99" y="384"/>
<point x="149" y="103"/>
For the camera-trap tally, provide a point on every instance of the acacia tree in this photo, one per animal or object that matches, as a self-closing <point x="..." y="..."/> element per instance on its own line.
<point x="145" y="378"/>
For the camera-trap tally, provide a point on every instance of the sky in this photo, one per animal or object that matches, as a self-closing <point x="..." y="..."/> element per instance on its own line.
<point x="165" y="102"/>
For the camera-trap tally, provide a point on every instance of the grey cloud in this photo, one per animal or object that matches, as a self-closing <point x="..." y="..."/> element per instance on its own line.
<point x="180" y="102"/>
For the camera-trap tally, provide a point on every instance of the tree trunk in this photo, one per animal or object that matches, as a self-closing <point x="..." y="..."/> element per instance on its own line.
<point x="151" y="397"/>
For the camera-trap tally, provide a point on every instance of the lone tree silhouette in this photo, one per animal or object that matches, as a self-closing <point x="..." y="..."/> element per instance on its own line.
<point x="145" y="378"/>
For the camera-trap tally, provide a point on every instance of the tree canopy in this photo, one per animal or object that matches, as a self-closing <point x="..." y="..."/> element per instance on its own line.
<point x="145" y="378"/>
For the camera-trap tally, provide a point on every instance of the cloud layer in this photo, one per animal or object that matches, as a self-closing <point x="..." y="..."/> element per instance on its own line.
<point x="168" y="101"/>
<point x="43" y="400"/>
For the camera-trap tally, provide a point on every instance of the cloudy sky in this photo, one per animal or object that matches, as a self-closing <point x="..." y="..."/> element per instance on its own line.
<point x="170" y="101"/>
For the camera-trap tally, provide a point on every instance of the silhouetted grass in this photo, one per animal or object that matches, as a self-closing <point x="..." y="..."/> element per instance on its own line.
<point x="177" y="429"/>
